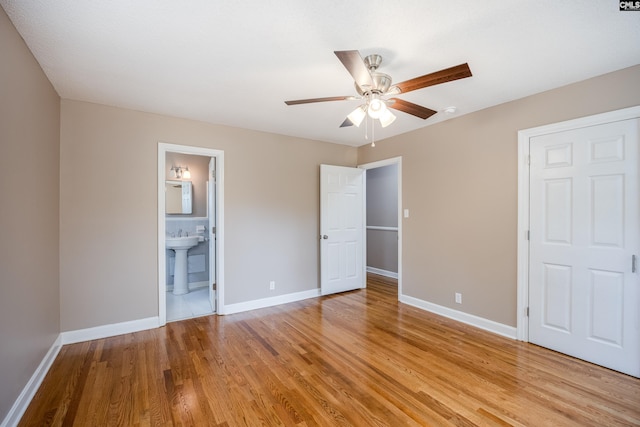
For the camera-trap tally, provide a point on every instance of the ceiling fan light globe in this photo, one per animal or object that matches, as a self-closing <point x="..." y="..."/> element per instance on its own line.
<point x="387" y="118"/>
<point x="376" y="108"/>
<point x="357" y="116"/>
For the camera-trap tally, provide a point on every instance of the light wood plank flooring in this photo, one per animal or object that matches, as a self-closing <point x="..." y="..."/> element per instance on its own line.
<point x="358" y="358"/>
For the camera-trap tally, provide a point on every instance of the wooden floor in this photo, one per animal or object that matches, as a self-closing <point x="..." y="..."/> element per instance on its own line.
<point x="358" y="358"/>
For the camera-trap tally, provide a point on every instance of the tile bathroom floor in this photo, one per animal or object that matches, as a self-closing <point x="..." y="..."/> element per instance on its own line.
<point x="193" y="304"/>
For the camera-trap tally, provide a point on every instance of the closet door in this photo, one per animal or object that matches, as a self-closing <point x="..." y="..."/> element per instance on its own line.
<point x="584" y="289"/>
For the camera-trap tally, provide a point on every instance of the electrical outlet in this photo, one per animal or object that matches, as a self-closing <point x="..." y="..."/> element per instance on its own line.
<point x="458" y="298"/>
<point x="272" y="285"/>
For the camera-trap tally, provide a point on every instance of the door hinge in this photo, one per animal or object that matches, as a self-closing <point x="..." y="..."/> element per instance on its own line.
<point x="526" y="311"/>
<point x="528" y="159"/>
<point x="528" y="234"/>
<point x="633" y="263"/>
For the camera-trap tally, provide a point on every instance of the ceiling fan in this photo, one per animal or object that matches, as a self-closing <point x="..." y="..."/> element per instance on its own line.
<point x="376" y="88"/>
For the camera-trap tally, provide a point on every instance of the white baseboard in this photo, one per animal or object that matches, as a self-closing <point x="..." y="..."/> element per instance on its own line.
<point x="197" y="285"/>
<point x="112" y="330"/>
<point x="268" y="302"/>
<point x="192" y="285"/>
<point x="382" y="272"/>
<point x="469" y="319"/>
<point x="24" y="399"/>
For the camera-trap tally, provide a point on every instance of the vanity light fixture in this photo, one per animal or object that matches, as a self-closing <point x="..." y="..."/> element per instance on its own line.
<point x="180" y="172"/>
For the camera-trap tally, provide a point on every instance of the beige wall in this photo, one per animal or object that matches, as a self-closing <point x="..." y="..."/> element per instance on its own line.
<point x="29" y="141"/>
<point x="459" y="182"/>
<point x="108" y="199"/>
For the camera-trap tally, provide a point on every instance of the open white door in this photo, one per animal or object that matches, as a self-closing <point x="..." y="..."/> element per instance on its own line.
<point x="212" y="233"/>
<point x="342" y="231"/>
<point x="584" y="286"/>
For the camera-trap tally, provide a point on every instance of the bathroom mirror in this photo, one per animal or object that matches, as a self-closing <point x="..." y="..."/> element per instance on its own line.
<point x="178" y="197"/>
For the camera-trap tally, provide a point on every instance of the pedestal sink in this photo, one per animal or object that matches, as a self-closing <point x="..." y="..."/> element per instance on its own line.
<point x="181" y="245"/>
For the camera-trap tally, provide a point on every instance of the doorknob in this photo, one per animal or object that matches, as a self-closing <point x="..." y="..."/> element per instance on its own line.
<point x="324" y="236"/>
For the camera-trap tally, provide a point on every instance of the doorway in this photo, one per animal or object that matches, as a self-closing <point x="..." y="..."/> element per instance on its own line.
<point x="206" y="220"/>
<point x="384" y="218"/>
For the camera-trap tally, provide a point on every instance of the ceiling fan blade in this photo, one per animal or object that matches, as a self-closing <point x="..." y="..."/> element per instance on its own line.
<point x="353" y="62"/>
<point x="449" y="74"/>
<point x="330" y="98"/>
<point x="411" y="108"/>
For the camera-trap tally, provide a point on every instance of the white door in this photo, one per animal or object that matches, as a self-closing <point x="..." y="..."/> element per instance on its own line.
<point x="584" y="292"/>
<point x="212" y="232"/>
<point x="341" y="229"/>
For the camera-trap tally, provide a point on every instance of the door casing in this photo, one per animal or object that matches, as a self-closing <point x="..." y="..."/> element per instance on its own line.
<point x="164" y="148"/>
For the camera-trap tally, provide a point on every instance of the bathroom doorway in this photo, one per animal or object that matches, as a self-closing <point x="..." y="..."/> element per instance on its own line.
<point x="190" y="231"/>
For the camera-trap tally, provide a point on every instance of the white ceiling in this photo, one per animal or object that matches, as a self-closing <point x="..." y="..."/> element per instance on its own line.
<point x="235" y="62"/>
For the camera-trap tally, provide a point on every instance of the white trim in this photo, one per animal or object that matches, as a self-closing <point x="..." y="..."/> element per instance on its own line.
<point x="523" y="198"/>
<point x="106" y="331"/>
<point x="381" y="163"/>
<point x="192" y="286"/>
<point x="186" y="218"/>
<point x="378" y="164"/>
<point x="271" y="301"/>
<point x="382" y="272"/>
<point x="164" y="148"/>
<point x="24" y="399"/>
<point x="522" y="254"/>
<point x="469" y="319"/>
<point x="363" y="236"/>
<point x="376" y="227"/>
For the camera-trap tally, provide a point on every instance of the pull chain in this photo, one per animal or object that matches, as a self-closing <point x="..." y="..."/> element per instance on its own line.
<point x="373" y="133"/>
<point x="366" y="128"/>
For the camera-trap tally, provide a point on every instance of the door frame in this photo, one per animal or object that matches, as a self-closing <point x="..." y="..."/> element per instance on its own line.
<point x="163" y="149"/>
<point x="379" y="164"/>
<point x="211" y="224"/>
<point x="524" y="136"/>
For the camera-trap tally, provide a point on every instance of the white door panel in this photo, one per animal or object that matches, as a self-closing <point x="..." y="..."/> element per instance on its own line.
<point x="341" y="228"/>
<point x="584" y="299"/>
<point x="556" y="297"/>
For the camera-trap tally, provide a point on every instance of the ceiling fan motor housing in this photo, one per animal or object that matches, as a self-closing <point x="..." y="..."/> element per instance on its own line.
<point x="381" y="81"/>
